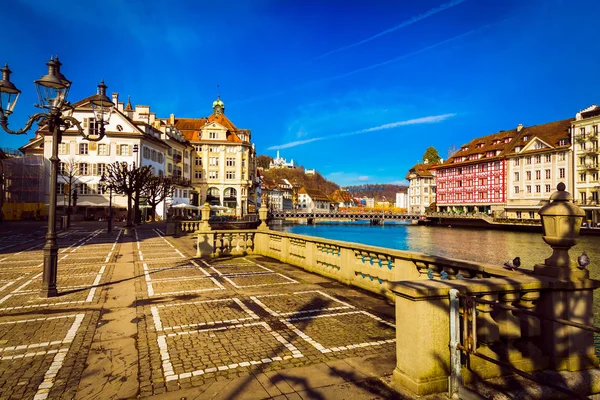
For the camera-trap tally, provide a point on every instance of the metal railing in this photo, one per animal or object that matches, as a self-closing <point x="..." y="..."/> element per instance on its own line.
<point x="469" y="339"/>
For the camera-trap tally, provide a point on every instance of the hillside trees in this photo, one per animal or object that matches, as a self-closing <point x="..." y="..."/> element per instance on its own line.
<point x="431" y="156"/>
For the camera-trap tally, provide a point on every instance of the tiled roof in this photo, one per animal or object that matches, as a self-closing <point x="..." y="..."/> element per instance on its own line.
<point x="551" y="133"/>
<point x="340" y="196"/>
<point x="421" y="170"/>
<point x="314" y="194"/>
<point x="191" y="127"/>
<point x="504" y="142"/>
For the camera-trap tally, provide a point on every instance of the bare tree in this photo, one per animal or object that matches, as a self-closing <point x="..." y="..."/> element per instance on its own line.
<point x="157" y="189"/>
<point x="127" y="180"/>
<point x="70" y="174"/>
<point x="451" y="150"/>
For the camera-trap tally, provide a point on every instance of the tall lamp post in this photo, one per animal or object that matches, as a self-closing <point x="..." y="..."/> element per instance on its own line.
<point x="52" y="90"/>
<point x="103" y="181"/>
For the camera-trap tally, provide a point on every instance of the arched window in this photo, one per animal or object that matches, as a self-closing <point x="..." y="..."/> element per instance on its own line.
<point x="213" y="196"/>
<point x="230" y="198"/>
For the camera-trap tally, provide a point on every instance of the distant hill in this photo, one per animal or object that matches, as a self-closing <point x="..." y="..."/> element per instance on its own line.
<point x="297" y="175"/>
<point x="378" y="192"/>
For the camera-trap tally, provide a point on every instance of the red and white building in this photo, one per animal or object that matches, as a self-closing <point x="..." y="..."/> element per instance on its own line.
<point x="474" y="178"/>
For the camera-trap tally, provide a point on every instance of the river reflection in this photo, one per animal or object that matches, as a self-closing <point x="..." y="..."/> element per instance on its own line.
<point x="487" y="246"/>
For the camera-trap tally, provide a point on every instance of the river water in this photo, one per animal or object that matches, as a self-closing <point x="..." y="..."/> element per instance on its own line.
<point x="488" y="246"/>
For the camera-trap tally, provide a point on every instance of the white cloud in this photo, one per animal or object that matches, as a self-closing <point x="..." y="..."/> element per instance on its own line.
<point x="415" y="121"/>
<point x="403" y="24"/>
<point x="363" y="178"/>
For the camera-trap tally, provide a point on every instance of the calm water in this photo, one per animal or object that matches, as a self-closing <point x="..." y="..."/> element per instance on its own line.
<point x="488" y="246"/>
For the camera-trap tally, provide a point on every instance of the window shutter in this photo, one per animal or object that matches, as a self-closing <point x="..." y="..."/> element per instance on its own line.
<point x="94" y="169"/>
<point x="118" y="149"/>
<point x="130" y="150"/>
<point x="86" y="123"/>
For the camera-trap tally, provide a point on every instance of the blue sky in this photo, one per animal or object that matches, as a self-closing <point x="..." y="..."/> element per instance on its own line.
<point x="356" y="89"/>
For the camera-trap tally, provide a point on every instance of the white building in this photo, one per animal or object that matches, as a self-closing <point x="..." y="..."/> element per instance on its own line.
<point x="584" y="132"/>
<point x="313" y="201"/>
<point x="402" y="200"/>
<point x="421" y="188"/>
<point x="130" y="138"/>
<point x="279" y="162"/>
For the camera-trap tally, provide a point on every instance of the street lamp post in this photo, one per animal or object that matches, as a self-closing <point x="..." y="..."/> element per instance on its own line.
<point x="110" y="216"/>
<point x="52" y="90"/>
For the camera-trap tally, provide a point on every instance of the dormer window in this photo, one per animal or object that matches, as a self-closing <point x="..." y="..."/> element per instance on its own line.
<point x="507" y="140"/>
<point x="562" y="142"/>
<point x="465" y="148"/>
<point x="517" y="149"/>
<point x="525" y="138"/>
<point x="480" y="145"/>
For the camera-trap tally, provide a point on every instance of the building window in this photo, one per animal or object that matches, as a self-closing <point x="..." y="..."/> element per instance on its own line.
<point x="528" y="188"/>
<point x="170" y="168"/>
<point x="198" y="174"/>
<point x="123" y="149"/>
<point x="160" y="158"/>
<point x="101" y="169"/>
<point x="482" y="181"/>
<point x="516" y="177"/>
<point x="562" y="156"/>
<point x="213" y="161"/>
<point x="547" y="174"/>
<point x="83" y="188"/>
<point x="83" y="149"/>
<point x="561" y="172"/>
<point x="63" y="148"/>
<point x="538" y="159"/>
<point x="83" y="168"/>
<point x="594" y="176"/>
<point x="548" y="158"/>
<point x="538" y="174"/>
<point x="213" y="135"/>
<point x="528" y="159"/>
<point x="538" y="188"/>
<point x="60" y="188"/>
<point x="102" y="149"/>
<point x="146" y="153"/>
<point x="547" y="188"/>
<point x="92" y="125"/>
<point x="582" y="177"/>
<point x="516" y="161"/>
<point x="62" y="168"/>
<point x="213" y="174"/>
<point x="198" y="161"/>
<point x="562" y="142"/>
<point x="170" y="150"/>
<point x="231" y="149"/>
<point x="213" y="149"/>
<point x="230" y="175"/>
<point x="516" y="190"/>
<point x="528" y="175"/>
<point x="230" y="162"/>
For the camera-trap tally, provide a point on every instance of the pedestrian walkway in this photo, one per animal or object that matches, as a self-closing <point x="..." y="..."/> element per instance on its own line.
<point x="140" y="317"/>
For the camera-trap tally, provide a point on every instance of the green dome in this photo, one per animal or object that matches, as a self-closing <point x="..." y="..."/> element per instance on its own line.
<point x="218" y="102"/>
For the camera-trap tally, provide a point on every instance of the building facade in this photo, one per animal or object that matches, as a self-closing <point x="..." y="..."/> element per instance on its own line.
<point x="402" y="200"/>
<point x="538" y="159"/>
<point x="223" y="160"/>
<point x="311" y="200"/>
<point x="584" y="131"/>
<point x="421" y="188"/>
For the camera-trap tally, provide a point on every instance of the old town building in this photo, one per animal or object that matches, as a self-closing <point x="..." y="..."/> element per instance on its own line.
<point x="421" y="187"/>
<point x="537" y="160"/>
<point x="584" y="132"/>
<point x="223" y="161"/>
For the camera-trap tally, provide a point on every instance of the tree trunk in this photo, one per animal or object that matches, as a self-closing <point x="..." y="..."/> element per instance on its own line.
<point x="153" y="210"/>
<point x="129" y="219"/>
<point x="138" y="214"/>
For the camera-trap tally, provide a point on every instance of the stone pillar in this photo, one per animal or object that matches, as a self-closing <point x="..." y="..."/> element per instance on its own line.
<point x="262" y="215"/>
<point x="204" y="236"/>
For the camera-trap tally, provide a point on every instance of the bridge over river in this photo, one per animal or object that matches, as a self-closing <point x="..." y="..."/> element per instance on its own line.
<point x="338" y="215"/>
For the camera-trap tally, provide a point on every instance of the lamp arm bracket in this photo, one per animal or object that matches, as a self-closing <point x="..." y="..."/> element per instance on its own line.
<point x="32" y="119"/>
<point x="73" y="122"/>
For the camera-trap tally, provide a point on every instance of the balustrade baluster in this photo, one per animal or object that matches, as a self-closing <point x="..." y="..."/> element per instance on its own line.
<point x="530" y="325"/>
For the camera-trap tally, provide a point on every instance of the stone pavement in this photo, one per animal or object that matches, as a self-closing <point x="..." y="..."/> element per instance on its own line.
<point x="140" y="317"/>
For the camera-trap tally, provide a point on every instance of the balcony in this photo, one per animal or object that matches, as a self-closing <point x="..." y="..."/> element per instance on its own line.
<point x="592" y="151"/>
<point x="177" y="158"/>
<point x="581" y="138"/>
<point x="588" y="167"/>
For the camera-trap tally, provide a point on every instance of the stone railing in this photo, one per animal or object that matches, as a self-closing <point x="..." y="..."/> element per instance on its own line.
<point x="368" y="267"/>
<point x="525" y="342"/>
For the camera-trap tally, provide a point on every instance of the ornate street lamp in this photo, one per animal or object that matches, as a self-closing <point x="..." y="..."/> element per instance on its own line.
<point x="52" y="90"/>
<point x="103" y="181"/>
<point x="561" y="221"/>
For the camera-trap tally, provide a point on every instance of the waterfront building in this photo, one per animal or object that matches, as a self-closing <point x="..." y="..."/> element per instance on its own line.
<point x="584" y="132"/>
<point x="279" y="162"/>
<point x="224" y="160"/>
<point x="538" y="158"/>
<point x="421" y="187"/>
<point x="311" y="171"/>
<point x="402" y="200"/>
<point x="130" y="137"/>
<point x="312" y="200"/>
<point x="342" y="198"/>
<point x="279" y="194"/>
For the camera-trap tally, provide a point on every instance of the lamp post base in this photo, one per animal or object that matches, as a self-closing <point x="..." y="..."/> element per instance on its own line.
<point x="50" y="269"/>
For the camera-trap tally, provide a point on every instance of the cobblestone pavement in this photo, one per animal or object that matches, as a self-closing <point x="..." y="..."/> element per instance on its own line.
<point x="246" y="327"/>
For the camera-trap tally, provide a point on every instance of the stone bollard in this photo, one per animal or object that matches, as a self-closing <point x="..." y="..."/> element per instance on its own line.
<point x="204" y="236"/>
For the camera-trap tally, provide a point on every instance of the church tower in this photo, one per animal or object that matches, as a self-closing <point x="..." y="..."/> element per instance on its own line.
<point x="218" y="106"/>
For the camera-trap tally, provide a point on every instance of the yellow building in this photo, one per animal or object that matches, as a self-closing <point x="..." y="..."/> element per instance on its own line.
<point x="223" y="161"/>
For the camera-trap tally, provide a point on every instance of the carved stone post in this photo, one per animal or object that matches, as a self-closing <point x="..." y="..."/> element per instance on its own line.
<point x="262" y="215"/>
<point x="204" y="236"/>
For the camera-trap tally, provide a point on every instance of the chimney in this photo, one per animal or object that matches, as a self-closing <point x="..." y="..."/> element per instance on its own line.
<point x="519" y="128"/>
<point x="115" y="98"/>
<point x="172" y="119"/>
